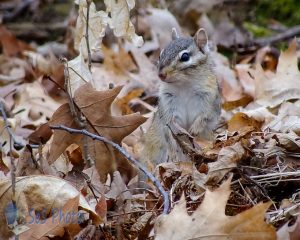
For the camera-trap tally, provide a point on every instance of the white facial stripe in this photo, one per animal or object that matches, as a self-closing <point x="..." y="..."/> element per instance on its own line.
<point x="161" y="52"/>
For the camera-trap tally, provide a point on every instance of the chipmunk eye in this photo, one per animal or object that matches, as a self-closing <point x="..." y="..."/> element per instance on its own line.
<point x="185" y="57"/>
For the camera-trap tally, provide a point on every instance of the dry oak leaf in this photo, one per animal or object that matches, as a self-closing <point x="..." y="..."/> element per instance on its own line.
<point x="273" y="89"/>
<point x="39" y="194"/>
<point x="240" y="120"/>
<point x="95" y="106"/>
<point x="210" y="222"/>
<point x="53" y="226"/>
<point x="227" y="160"/>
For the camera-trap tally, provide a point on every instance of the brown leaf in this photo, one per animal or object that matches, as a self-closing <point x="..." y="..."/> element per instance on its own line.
<point x="53" y="225"/>
<point x="75" y="156"/>
<point x="238" y="103"/>
<point x="227" y="160"/>
<point x="95" y="106"/>
<point x="210" y="222"/>
<point x="42" y="135"/>
<point x="101" y="207"/>
<point x="10" y="44"/>
<point x="34" y="105"/>
<point x="241" y="120"/>
<point x="3" y="167"/>
<point x="123" y="102"/>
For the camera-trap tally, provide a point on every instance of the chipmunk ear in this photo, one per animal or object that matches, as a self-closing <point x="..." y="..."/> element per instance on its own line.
<point x="201" y="39"/>
<point x="174" y="34"/>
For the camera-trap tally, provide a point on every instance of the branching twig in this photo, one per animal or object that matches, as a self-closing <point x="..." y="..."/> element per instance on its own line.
<point x="10" y="132"/>
<point x="7" y="126"/>
<point x="126" y="155"/>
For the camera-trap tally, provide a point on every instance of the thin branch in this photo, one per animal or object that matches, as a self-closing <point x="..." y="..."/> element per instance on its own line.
<point x="88" y="4"/>
<point x="8" y="127"/>
<point x="10" y="132"/>
<point x="12" y="162"/>
<point x="126" y="155"/>
<point x="289" y="33"/>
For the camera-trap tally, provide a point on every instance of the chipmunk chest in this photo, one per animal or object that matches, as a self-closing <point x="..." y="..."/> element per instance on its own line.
<point x="188" y="107"/>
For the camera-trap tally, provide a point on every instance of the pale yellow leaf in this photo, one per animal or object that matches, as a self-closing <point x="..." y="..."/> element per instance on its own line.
<point x="120" y="20"/>
<point x="98" y="21"/>
<point x="79" y="73"/>
<point x="273" y="89"/>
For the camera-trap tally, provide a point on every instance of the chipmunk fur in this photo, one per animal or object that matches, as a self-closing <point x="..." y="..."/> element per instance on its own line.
<point x="189" y="95"/>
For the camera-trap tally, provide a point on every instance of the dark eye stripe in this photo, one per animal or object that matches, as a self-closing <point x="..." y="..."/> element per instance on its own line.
<point x="185" y="57"/>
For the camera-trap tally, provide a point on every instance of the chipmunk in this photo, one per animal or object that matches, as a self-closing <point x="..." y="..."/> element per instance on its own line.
<point x="189" y="94"/>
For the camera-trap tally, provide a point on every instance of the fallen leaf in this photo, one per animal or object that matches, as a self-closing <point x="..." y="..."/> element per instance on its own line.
<point x="36" y="194"/>
<point x="227" y="160"/>
<point x="33" y="105"/>
<point x="210" y="222"/>
<point x="241" y="120"/>
<point x="54" y="226"/>
<point x="273" y="89"/>
<point x="120" y="20"/>
<point x="42" y="135"/>
<point x="79" y="73"/>
<point x="246" y="80"/>
<point x="230" y="86"/>
<point x="10" y="44"/>
<point x="230" y="105"/>
<point x="142" y="227"/>
<point x="5" y="140"/>
<point x="123" y="102"/>
<point x="98" y="21"/>
<point x="95" y="106"/>
<point x="289" y="232"/>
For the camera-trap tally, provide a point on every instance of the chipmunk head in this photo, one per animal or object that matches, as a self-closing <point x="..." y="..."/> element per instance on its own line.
<point x="183" y="56"/>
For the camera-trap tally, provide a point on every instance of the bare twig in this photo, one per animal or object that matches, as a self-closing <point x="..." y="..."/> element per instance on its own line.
<point x="77" y="115"/>
<point x="69" y="93"/>
<point x="79" y="118"/>
<point x="10" y="132"/>
<point x="289" y="33"/>
<point x="88" y="4"/>
<point x="12" y="162"/>
<point x="126" y="155"/>
<point x="7" y="126"/>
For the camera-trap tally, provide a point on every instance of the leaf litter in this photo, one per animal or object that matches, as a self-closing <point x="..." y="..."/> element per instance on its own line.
<point x="255" y="152"/>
